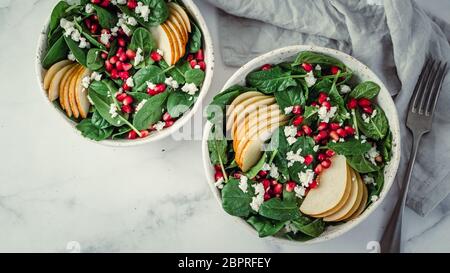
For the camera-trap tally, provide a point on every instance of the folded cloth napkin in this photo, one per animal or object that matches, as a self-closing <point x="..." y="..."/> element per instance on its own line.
<point x="392" y="37"/>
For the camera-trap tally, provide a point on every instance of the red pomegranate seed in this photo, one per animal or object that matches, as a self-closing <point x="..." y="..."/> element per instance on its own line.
<point x="262" y="173"/>
<point x="327" y="104"/>
<point x="113" y="60"/>
<point x="350" y="130"/>
<point x="326" y="163"/>
<point x="128" y="100"/>
<point x="151" y="92"/>
<point x="334" y="70"/>
<point x="155" y="56"/>
<point x="108" y="66"/>
<point x="121" y="42"/>
<point x="266" y="67"/>
<point x="160" y="87"/>
<point x="123" y="57"/>
<point x="278" y="189"/>
<point x="334" y="135"/>
<point x="307" y="130"/>
<point x="127" y="109"/>
<point x="119" y="66"/>
<point x="105" y="3"/>
<point x="334" y="126"/>
<point x="127" y="66"/>
<point x="341" y="132"/>
<point x="273" y="182"/>
<point x="330" y="153"/>
<point x="144" y="133"/>
<point x="94" y="28"/>
<point x="266" y="183"/>
<point x="88" y="23"/>
<point x="124" y="75"/>
<point x="167" y="117"/>
<point x="322" y="135"/>
<point x="96" y="1"/>
<point x="131" y="54"/>
<point x="267" y="196"/>
<point x="297" y="121"/>
<point x="368" y="109"/>
<point x="314" y="103"/>
<point x="297" y="110"/>
<point x="322" y="126"/>
<point x="132" y="135"/>
<point x="120" y="51"/>
<point x="202" y="65"/>
<point x="352" y="104"/>
<point x="193" y="63"/>
<point x="318" y="169"/>
<point x="218" y="175"/>
<point x="290" y="186"/>
<point x="132" y="4"/>
<point x="307" y="67"/>
<point x="313" y="184"/>
<point x="364" y="102"/>
<point x="217" y="168"/>
<point x="322" y="98"/>
<point x="121" y="96"/>
<point x="125" y="87"/>
<point x="199" y="56"/>
<point x="104" y="55"/>
<point x="299" y="133"/>
<point x="169" y="123"/>
<point x="308" y="160"/>
<point x="114" y="74"/>
<point x="190" y="57"/>
<point x="321" y="157"/>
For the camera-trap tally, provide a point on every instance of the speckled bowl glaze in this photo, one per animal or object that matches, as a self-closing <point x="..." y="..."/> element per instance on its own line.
<point x="362" y="73"/>
<point x="209" y="59"/>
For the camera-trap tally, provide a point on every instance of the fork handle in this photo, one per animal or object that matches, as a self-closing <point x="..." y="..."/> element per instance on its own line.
<point x="392" y="236"/>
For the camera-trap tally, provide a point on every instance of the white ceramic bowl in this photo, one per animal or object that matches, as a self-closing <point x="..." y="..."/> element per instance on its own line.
<point x="209" y="59"/>
<point x="362" y="73"/>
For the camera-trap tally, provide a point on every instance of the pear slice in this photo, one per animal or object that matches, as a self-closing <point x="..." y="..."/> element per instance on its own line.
<point x="61" y="90"/>
<point x="176" y="18"/>
<point x="81" y="95"/>
<point x="177" y="37"/>
<point x="183" y="15"/>
<point x="242" y="97"/>
<point x="332" y="192"/>
<point x="173" y="42"/>
<point x="164" y="43"/>
<point x="71" y="90"/>
<point x="52" y="72"/>
<point x="359" y="198"/>
<point x="351" y="204"/>
<point x="241" y="107"/>
<point x="53" y="91"/>
<point x="65" y="90"/>
<point x="362" y="205"/>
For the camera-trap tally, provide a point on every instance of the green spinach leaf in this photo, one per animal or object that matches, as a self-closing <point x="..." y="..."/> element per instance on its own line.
<point x="236" y="202"/>
<point x="217" y="146"/>
<point x="350" y="147"/>
<point x="368" y="90"/>
<point x="151" y="112"/>
<point x="270" y="81"/>
<point x="290" y="97"/>
<point x="94" y="59"/>
<point x="178" y="103"/>
<point x="317" y="58"/>
<point x="150" y="73"/>
<point x="195" y="76"/>
<point x="106" y="18"/>
<point x="59" y="11"/>
<point x="277" y="209"/>
<point x="95" y="128"/>
<point x="142" y="39"/>
<point x="80" y="54"/>
<point x="255" y="169"/>
<point x="195" y="41"/>
<point x="361" y="164"/>
<point x="376" y="127"/>
<point x="265" y="227"/>
<point x="56" y="53"/>
<point x="313" y="229"/>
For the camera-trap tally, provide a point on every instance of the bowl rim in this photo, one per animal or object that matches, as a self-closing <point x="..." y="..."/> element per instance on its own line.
<point x="209" y="73"/>
<point x="393" y="123"/>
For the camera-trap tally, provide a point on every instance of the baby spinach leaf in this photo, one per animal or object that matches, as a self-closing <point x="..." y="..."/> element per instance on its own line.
<point x="368" y="90"/>
<point x="376" y="127"/>
<point x="94" y="59"/>
<point x="290" y="97"/>
<point x="375" y="189"/>
<point x="142" y="39"/>
<point x="195" y="76"/>
<point x="178" y="103"/>
<point x="217" y="146"/>
<point x="151" y="112"/>
<point x="95" y="128"/>
<point x="150" y="73"/>
<point x="121" y="132"/>
<point x="106" y="18"/>
<point x="361" y="164"/>
<point x="317" y="58"/>
<point x="177" y="72"/>
<point x="86" y="33"/>
<point x="265" y="227"/>
<point x="270" y="81"/>
<point x="313" y="229"/>
<point x="56" y="53"/>
<point x="386" y="147"/>
<point x="311" y="114"/>
<point x="159" y="12"/>
<point x="258" y="166"/>
<point x="54" y="37"/>
<point x="139" y="96"/>
<point x="350" y="147"/>
<point x="306" y="146"/>
<point x="195" y="41"/>
<point x="103" y="105"/>
<point x="236" y="202"/>
<point x="101" y="88"/>
<point x="57" y="14"/>
<point x="280" y="210"/>
<point x="80" y="54"/>
<point x="279" y="144"/>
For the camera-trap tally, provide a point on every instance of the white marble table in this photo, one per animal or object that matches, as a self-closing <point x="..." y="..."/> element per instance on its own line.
<point x="56" y="187"/>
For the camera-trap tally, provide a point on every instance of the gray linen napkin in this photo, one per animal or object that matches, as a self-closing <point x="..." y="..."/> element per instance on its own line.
<point x="393" y="38"/>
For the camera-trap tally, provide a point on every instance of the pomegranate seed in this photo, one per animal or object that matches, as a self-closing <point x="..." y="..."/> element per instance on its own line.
<point x="322" y="98"/>
<point x="274" y="182"/>
<point x="266" y="183"/>
<point x="169" y="123"/>
<point x="218" y="175"/>
<point x="125" y="87"/>
<point x="96" y="1"/>
<point x="88" y="23"/>
<point x="368" y="109"/>
<point x="105" y="3"/>
<point x="266" y="196"/>
<point x="321" y="157"/>
<point x="202" y="65"/>
<point x="155" y="56"/>
<point x="190" y="57"/>
<point x="151" y="92"/>
<point x="314" y="103"/>
<point x="132" y="4"/>
<point x="307" y="130"/>
<point x="124" y="75"/>
<point x="119" y="66"/>
<point x="127" y="109"/>
<point x="327" y="104"/>
<point x="123" y="57"/>
<point x="290" y="186"/>
<point x="113" y="60"/>
<point x="352" y="104"/>
<point x="237" y="175"/>
<point x="95" y="17"/>
<point x="262" y="173"/>
<point x="166" y="117"/>
<point x="307" y="67"/>
<point x="132" y="135"/>
<point x="127" y="66"/>
<point x="105" y="31"/>
<point x="308" y="160"/>
<point x="108" y="66"/>
<point x="341" y="132"/>
<point x="322" y="126"/>
<point x="297" y="110"/>
<point x="160" y="87"/>
<point x="278" y="189"/>
<point x="364" y="102"/>
<point x="199" y="56"/>
<point x="121" y="42"/>
<point x="322" y="135"/>
<point x="121" y="96"/>
<point x="299" y="134"/>
<point x="193" y="63"/>
<point x="120" y="51"/>
<point x="313" y="184"/>
<point x="94" y="28"/>
<point x="217" y="168"/>
<point x="334" y="135"/>
<point x="334" y="70"/>
<point x="128" y="100"/>
<point x="318" y="169"/>
<point x="297" y="121"/>
<point x="334" y="126"/>
<point x="326" y="163"/>
<point x="114" y="74"/>
<point x="131" y="54"/>
<point x="144" y="133"/>
<point x="350" y="130"/>
<point x="266" y="67"/>
<point x="104" y="55"/>
<point x="330" y="153"/>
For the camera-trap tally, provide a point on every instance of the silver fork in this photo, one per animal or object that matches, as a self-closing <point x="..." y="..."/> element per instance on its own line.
<point x="420" y="116"/>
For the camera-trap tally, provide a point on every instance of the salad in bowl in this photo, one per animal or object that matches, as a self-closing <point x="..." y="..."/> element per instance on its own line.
<point x="124" y="70"/>
<point x="300" y="147"/>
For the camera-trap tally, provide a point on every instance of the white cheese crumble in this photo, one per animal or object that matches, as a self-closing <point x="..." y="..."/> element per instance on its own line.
<point x="140" y="105"/>
<point x="290" y="131"/>
<point x="289" y="227"/>
<point x="243" y="183"/>
<point x="372" y="154"/>
<point x="89" y="8"/>
<point x="306" y="177"/>
<point x="71" y="57"/>
<point x="171" y="82"/>
<point x="258" y="199"/>
<point x="292" y="157"/>
<point x="86" y="81"/>
<point x="143" y="11"/>
<point x="139" y="57"/>
<point x="84" y="43"/>
<point x="374" y="198"/>
<point x="96" y="76"/>
<point x="120" y="2"/>
<point x="374" y="113"/>
<point x="219" y="183"/>
<point x="274" y="171"/>
<point x="104" y="38"/>
<point x="130" y="82"/>
<point x="113" y="110"/>
<point x="300" y="191"/>
<point x="151" y="85"/>
<point x="288" y="110"/>
<point x="310" y="79"/>
<point x="318" y="67"/>
<point x="325" y="115"/>
<point x="160" y="125"/>
<point x="365" y="118"/>
<point x="265" y="167"/>
<point x="345" y="89"/>
<point x="189" y="88"/>
<point x="316" y="148"/>
<point x="368" y="180"/>
<point x="131" y="21"/>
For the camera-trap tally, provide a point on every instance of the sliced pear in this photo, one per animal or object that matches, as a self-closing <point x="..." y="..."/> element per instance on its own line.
<point x="71" y="90"/>
<point x="362" y="205"/>
<point x="242" y="97"/>
<point x="359" y="198"/>
<point x="53" y="91"/>
<point x="250" y="109"/>
<point x="61" y="87"/>
<point x="351" y="204"/>
<point x="52" y="72"/>
<point x="179" y="28"/>
<point x="176" y="18"/>
<point x="332" y="192"/>
<point x="241" y="107"/>
<point x="81" y="95"/>
<point x="65" y="90"/>
<point x="164" y="43"/>
<point x="177" y="38"/>
<point x="183" y="15"/>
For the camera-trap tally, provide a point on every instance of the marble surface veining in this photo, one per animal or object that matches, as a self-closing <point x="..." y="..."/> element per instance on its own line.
<point x="59" y="192"/>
